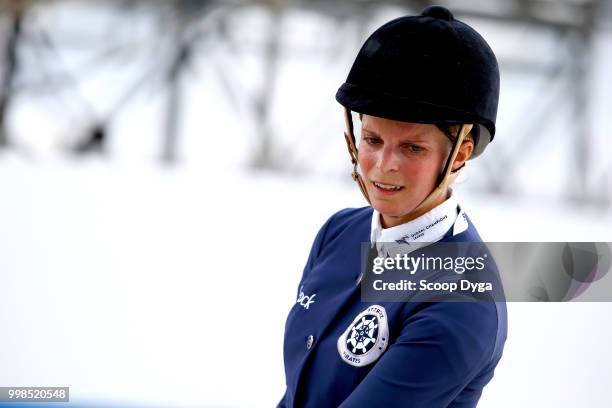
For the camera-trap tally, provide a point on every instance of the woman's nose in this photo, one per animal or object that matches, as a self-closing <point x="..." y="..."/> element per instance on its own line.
<point x="387" y="160"/>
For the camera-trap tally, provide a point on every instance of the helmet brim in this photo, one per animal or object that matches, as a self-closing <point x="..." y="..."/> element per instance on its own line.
<point x="379" y="104"/>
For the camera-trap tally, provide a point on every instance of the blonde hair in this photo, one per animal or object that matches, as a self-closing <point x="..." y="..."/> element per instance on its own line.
<point x="454" y="130"/>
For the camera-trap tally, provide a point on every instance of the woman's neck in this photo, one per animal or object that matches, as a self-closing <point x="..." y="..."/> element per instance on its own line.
<point x="431" y="202"/>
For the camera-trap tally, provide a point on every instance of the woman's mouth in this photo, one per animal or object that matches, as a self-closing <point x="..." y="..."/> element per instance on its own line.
<point x="387" y="188"/>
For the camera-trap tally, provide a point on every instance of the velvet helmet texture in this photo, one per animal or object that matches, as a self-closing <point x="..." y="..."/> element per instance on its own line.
<point x="430" y="68"/>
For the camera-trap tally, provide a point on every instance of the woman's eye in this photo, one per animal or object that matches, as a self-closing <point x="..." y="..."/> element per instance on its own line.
<point x="414" y="148"/>
<point x="372" y="140"/>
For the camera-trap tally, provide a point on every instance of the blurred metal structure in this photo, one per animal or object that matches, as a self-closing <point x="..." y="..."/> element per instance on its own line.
<point x="15" y="10"/>
<point x="184" y="25"/>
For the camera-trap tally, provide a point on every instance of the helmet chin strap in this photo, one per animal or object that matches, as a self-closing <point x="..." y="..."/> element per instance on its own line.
<point x="350" y="143"/>
<point x="445" y="179"/>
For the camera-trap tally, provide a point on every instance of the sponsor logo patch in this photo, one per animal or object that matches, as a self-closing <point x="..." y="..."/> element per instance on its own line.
<point x="366" y="338"/>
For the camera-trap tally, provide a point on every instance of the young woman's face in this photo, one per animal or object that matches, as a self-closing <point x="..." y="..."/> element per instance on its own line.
<point x="400" y="162"/>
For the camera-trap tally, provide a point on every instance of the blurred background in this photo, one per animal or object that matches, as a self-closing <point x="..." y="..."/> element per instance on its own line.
<point x="165" y="165"/>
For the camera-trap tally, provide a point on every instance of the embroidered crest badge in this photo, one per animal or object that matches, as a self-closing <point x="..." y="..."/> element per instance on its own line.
<point x="366" y="338"/>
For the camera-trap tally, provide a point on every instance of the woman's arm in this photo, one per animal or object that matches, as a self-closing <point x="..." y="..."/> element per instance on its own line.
<point x="315" y="250"/>
<point x="440" y="350"/>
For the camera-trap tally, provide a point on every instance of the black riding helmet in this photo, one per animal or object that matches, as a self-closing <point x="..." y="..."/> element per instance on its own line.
<point x="429" y="68"/>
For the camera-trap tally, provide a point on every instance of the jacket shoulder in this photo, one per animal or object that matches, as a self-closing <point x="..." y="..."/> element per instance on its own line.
<point x="350" y="215"/>
<point x="349" y="219"/>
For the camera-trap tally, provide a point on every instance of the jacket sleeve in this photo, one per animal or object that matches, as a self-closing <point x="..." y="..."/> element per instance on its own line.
<point x="281" y="403"/>
<point x="439" y="351"/>
<point x="315" y="250"/>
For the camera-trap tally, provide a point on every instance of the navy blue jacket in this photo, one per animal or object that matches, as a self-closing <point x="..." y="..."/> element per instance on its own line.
<point x="439" y="354"/>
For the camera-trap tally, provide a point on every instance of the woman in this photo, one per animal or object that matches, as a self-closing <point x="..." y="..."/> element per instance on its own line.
<point x="426" y="89"/>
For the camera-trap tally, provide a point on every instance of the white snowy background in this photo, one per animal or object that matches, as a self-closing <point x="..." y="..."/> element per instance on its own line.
<point x="139" y="283"/>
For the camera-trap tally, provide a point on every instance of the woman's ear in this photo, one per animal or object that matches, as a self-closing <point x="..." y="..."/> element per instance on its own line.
<point x="465" y="152"/>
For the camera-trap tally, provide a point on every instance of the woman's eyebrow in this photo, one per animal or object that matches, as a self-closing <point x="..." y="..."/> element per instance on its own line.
<point x="416" y="137"/>
<point x="369" y="131"/>
<point x="421" y="138"/>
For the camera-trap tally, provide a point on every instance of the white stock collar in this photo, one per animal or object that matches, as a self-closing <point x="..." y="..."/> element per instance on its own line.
<point x="429" y="227"/>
